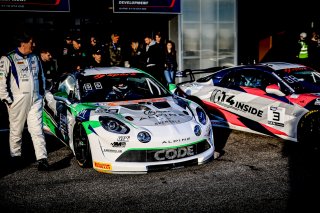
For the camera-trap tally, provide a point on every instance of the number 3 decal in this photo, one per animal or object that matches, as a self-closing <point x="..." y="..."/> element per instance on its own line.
<point x="276" y="115"/>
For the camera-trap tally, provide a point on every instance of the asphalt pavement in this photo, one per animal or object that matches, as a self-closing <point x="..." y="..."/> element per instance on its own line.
<point x="253" y="174"/>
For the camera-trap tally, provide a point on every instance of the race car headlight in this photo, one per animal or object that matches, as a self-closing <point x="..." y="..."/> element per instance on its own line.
<point x="201" y="115"/>
<point x="113" y="125"/>
<point x="144" y="137"/>
<point x="197" y="130"/>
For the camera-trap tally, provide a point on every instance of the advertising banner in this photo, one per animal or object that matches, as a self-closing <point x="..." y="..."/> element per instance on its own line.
<point x="147" y="6"/>
<point x="35" y="5"/>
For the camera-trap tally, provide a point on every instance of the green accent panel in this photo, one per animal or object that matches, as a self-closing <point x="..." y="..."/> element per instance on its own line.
<point x="61" y="94"/>
<point x="93" y="124"/>
<point x="49" y="123"/>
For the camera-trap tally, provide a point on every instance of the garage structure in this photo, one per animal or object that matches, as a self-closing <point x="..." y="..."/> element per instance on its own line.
<point x="205" y="31"/>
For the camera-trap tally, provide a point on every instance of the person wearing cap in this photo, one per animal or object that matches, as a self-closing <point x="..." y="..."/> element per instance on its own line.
<point x="78" y="56"/>
<point x="22" y="87"/>
<point x="98" y="59"/>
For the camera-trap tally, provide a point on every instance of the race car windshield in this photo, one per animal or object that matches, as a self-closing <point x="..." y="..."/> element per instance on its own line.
<point x="120" y="87"/>
<point x="302" y="81"/>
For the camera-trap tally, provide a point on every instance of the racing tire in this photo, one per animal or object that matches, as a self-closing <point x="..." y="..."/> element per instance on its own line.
<point x="81" y="146"/>
<point x="309" y="130"/>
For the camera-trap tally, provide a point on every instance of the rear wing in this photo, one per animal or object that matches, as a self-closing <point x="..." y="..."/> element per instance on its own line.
<point x="191" y="75"/>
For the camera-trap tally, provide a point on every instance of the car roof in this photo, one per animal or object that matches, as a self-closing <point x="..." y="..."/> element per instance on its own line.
<point x="108" y="70"/>
<point x="281" y="65"/>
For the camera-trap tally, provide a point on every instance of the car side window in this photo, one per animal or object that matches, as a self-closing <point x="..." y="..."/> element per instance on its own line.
<point x="68" y="86"/>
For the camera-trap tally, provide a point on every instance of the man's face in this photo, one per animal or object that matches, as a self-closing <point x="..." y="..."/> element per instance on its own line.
<point x="46" y="56"/>
<point x="147" y="41"/>
<point x="76" y="45"/>
<point x="27" y="48"/>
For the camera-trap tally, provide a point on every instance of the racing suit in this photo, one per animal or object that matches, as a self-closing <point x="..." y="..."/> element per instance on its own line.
<point x="22" y="86"/>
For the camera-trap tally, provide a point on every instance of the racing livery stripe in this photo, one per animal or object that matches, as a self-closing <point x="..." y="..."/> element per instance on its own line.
<point x="305" y="100"/>
<point x="246" y="123"/>
<point x="263" y="94"/>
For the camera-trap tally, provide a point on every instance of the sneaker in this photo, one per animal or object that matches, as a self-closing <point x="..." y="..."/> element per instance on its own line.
<point x="43" y="165"/>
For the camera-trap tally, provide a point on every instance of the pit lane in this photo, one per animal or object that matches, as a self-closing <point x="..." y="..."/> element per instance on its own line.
<point x="254" y="174"/>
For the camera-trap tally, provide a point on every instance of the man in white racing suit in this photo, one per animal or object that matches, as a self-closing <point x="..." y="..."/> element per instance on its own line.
<point x="22" y="86"/>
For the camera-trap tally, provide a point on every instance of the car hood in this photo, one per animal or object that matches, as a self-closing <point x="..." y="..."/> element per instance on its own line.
<point x="155" y="112"/>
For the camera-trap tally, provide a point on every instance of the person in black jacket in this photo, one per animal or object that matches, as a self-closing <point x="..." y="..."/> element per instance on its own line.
<point x="152" y="56"/>
<point x="171" y="64"/>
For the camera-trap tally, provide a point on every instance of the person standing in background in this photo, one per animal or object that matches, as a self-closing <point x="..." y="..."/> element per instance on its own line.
<point x="134" y="56"/>
<point x="151" y="59"/>
<point x="49" y="66"/>
<point x="314" y="50"/>
<point x="78" y="56"/>
<point x="22" y="87"/>
<point x="114" y="51"/>
<point x="98" y="59"/>
<point x="171" y="64"/>
<point x="302" y="49"/>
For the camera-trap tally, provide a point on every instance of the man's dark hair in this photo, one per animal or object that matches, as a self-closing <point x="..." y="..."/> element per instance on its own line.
<point x="23" y="37"/>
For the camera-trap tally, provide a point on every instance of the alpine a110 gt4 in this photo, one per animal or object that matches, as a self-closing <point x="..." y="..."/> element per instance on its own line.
<point x="122" y="120"/>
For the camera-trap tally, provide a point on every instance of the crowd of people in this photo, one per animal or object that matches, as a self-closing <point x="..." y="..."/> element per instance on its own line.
<point x="149" y="53"/>
<point x="28" y="69"/>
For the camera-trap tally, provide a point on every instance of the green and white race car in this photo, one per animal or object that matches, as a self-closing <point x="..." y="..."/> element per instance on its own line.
<point x="122" y="120"/>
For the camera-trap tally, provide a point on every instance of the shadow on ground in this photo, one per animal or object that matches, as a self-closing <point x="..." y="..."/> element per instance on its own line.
<point x="28" y="157"/>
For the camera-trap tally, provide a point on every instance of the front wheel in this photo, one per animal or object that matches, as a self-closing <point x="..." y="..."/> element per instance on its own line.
<point x="309" y="130"/>
<point x="82" y="146"/>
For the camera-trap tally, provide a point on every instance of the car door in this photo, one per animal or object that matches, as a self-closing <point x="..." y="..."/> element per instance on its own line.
<point x="241" y="96"/>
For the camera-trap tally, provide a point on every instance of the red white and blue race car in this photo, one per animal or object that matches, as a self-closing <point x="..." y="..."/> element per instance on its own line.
<point x="277" y="99"/>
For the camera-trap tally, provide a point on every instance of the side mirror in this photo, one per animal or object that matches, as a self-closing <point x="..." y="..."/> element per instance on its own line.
<point x="274" y="89"/>
<point x="63" y="100"/>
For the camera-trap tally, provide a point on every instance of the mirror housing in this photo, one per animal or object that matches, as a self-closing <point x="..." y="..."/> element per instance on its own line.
<point x="274" y="89"/>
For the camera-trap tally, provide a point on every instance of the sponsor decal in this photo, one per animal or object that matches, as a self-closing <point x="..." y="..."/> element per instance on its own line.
<point x="24" y="74"/>
<point x="167" y="122"/>
<point x="20" y="62"/>
<point x="276" y="116"/>
<point x="111" y="150"/>
<point x="118" y="144"/>
<point x="84" y="114"/>
<point x="99" y="76"/>
<point x="317" y="102"/>
<point x="121" y="74"/>
<point x="226" y="100"/>
<point x="177" y="153"/>
<point x="157" y="114"/>
<point x="106" y="166"/>
<point x="123" y="138"/>
<point x="118" y="103"/>
<point x="176" y="140"/>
